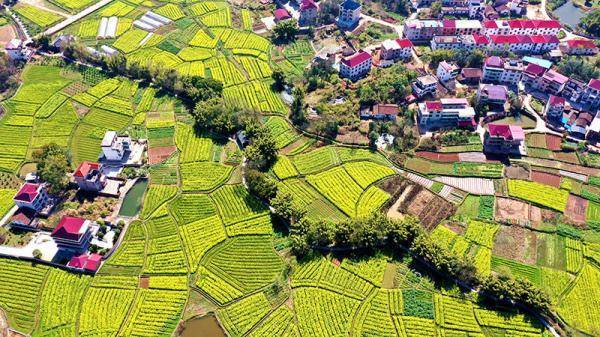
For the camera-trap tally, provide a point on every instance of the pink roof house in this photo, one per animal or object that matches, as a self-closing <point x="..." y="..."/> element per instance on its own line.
<point x="86" y="262"/>
<point x="72" y="233"/>
<point x="504" y="139"/>
<point x="281" y="14"/>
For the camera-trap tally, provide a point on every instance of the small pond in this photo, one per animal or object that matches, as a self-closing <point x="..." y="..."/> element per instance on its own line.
<point x="132" y="203"/>
<point x="206" y="326"/>
<point x="569" y="14"/>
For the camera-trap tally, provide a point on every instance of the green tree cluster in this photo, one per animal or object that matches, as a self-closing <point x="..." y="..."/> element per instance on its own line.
<point x="52" y="164"/>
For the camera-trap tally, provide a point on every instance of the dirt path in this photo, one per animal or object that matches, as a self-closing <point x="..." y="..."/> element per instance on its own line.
<point x="7" y="33"/>
<point x="3" y="324"/>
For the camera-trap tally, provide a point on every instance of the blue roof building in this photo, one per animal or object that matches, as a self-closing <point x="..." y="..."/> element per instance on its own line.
<point x="349" y="14"/>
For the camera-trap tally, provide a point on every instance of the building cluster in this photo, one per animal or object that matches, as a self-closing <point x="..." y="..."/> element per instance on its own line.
<point x="71" y="239"/>
<point x="477" y="9"/>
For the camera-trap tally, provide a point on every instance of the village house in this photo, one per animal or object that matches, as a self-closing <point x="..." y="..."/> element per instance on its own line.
<point x="523" y="43"/>
<point x="504" y="139"/>
<point x="281" y="14"/>
<point x="349" y="14"/>
<point x="469" y="76"/>
<point x="24" y="219"/>
<point x="356" y="66"/>
<point x="460" y="42"/>
<point x="87" y="262"/>
<point x="591" y="95"/>
<point x="32" y="196"/>
<point x="497" y="70"/>
<point x="392" y="50"/>
<point x="114" y="147"/>
<point x="16" y="50"/>
<point x="89" y="176"/>
<point x="574" y="89"/>
<point x="553" y="82"/>
<point x="579" y="47"/>
<point x="425" y="85"/>
<point x="492" y="94"/>
<point x="447" y="71"/>
<point x="72" y="234"/>
<point x="593" y="132"/>
<point x="532" y="75"/>
<point x="447" y="112"/>
<point x="554" y="109"/>
<point x="308" y="13"/>
<point x="381" y="112"/>
<point x="522" y="27"/>
<point x="579" y="124"/>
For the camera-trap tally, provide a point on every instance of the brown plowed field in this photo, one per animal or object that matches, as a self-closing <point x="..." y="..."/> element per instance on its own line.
<point x="553" y="142"/>
<point x="545" y="178"/>
<point x="158" y="154"/>
<point x="576" y="208"/>
<point x="420" y="202"/>
<point x="443" y="157"/>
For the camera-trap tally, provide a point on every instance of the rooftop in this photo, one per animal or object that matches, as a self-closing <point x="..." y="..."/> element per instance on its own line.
<point x="356" y="59"/>
<point x="27" y="193"/>
<point x="88" y="262"/>
<point x="581" y="43"/>
<point x="85" y="167"/>
<point x="70" y="228"/>
<point x="108" y="139"/>
<point x="350" y="5"/>
<point x="508" y="132"/>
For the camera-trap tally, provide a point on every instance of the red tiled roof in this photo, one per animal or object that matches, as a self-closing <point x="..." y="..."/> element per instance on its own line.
<point x="307" y="4"/>
<point x="581" y="43"/>
<point x="470" y="72"/>
<point x="27" y="193"/>
<point x="556" y="100"/>
<point x="448" y="23"/>
<point x="281" y="14"/>
<point x="480" y="39"/>
<point x="24" y="216"/>
<point x="87" y="262"/>
<point x="547" y="24"/>
<point x="508" y="132"/>
<point x="385" y="109"/>
<point x="538" y="39"/>
<point x="433" y="105"/>
<point x="490" y="24"/>
<point x="494" y="61"/>
<point x="534" y="69"/>
<point x="356" y="59"/>
<point x="594" y="84"/>
<point x="404" y="43"/>
<point x="551" y="39"/>
<point x="68" y="228"/>
<point x="85" y="168"/>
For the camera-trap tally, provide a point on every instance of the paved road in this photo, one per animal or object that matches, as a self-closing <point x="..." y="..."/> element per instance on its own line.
<point x="61" y="25"/>
<point x="540" y="124"/>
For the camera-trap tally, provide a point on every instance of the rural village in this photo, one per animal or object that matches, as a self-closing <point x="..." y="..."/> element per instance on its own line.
<point x="200" y="168"/>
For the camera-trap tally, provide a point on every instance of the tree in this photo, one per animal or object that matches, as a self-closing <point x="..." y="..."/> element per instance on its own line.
<point x="328" y="11"/>
<point x="297" y="113"/>
<point x="260" y="185"/>
<point x="435" y="10"/>
<point x="262" y="151"/>
<point x="8" y="73"/>
<point x="591" y="23"/>
<point x="53" y="162"/>
<point x="283" y="203"/>
<point x="373" y="137"/>
<point x="278" y="77"/>
<point x="37" y="254"/>
<point x="285" y="31"/>
<point x="578" y="68"/>
<point x="214" y="115"/>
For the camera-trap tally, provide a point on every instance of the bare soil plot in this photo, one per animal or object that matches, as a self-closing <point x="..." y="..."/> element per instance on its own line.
<point x="7" y="33"/>
<point x="553" y="142"/>
<point x="569" y="157"/>
<point x="516" y="172"/>
<point x="475" y="157"/>
<point x="516" y="243"/>
<point x="428" y="207"/>
<point x="509" y="209"/>
<point x="546" y="178"/>
<point x="159" y="154"/>
<point x="144" y="282"/>
<point x="442" y="157"/>
<point x="576" y="208"/>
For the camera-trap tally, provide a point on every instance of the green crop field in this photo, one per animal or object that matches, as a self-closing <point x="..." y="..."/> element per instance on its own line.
<point x="540" y="194"/>
<point x="38" y="16"/>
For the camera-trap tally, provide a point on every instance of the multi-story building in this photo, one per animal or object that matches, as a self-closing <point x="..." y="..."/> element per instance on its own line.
<point x="308" y="13"/>
<point x="522" y="27"/>
<point x="554" y="109"/>
<point x="114" y="147"/>
<point x="504" y="139"/>
<point x="447" y="112"/>
<point x="492" y="94"/>
<point x="523" y="43"/>
<point x="574" y="89"/>
<point x="16" y="50"/>
<point x="532" y="75"/>
<point x="32" y="196"/>
<point x="72" y="234"/>
<point x="422" y="30"/>
<point x="425" y="85"/>
<point x="459" y="42"/>
<point x="89" y="177"/>
<point x="349" y="14"/>
<point x="591" y="95"/>
<point x="356" y="66"/>
<point x="497" y="70"/>
<point x="392" y="50"/>
<point x="553" y="82"/>
<point x="447" y="71"/>
<point x="580" y="47"/>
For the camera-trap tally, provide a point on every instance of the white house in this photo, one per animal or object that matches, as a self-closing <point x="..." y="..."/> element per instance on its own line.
<point x="356" y="66"/>
<point x="32" y="196"/>
<point x="114" y="147"/>
<point x="447" y="71"/>
<point x="425" y="85"/>
<point x="447" y="112"/>
<point x="17" y="50"/>
<point x="349" y="14"/>
<point x="497" y="70"/>
<point x="392" y="50"/>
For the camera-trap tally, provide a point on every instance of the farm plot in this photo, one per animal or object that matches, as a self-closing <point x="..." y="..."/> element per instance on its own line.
<point x="579" y="306"/>
<point x="156" y="196"/>
<point x="540" y="194"/>
<point x="247" y="263"/>
<point x="316" y="160"/>
<point x="154" y="312"/>
<point x="103" y="310"/>
<point x="339" y="188"/>
<point x="309" y="200"/>
<point x="240" y="316"/>
<point x="73" y="5"/>
<point x="203" y="176"/>
<point x="200" y="236"/>
<point x="366" y="173"/>
<point x="545" y="178"/>
<point x="235" y="203"/>
<point x="516" y="243"/>
<point x="479" y="186"/>
<point x="192" y="146"/>
<point x="281" y="131"/>
<point x="39" y="17"/>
